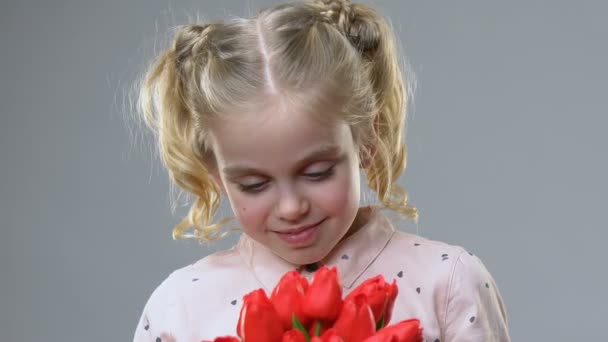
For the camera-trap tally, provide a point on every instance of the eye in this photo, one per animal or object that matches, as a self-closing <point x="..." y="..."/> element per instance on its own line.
<point x="253" y="188"/>
<point x="320" y="175"/>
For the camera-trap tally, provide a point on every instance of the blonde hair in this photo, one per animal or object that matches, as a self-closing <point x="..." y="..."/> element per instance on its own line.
<point x="287" y="50"/>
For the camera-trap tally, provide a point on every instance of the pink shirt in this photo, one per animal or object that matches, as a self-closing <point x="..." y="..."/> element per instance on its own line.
<point x="446" y="287"/>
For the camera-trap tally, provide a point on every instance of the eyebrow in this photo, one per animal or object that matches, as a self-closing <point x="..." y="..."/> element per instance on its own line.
<point x="325" y="151"/>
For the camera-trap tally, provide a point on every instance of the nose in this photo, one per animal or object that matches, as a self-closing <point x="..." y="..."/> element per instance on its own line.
<point x="292" y="205"/>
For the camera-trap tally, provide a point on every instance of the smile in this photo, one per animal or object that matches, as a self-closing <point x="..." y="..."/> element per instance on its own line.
<point x="300" y="235"/>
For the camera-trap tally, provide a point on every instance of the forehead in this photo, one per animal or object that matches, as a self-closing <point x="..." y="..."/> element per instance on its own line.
<point x="277" y="134"/>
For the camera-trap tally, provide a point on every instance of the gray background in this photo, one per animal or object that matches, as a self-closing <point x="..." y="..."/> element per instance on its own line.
<point x="507" y="158"/>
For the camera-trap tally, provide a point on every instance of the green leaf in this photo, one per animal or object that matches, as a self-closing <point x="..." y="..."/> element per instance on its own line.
<point x="298" y="325"/>
<point x="380" y="324"/>
<point x="318" y="329"/>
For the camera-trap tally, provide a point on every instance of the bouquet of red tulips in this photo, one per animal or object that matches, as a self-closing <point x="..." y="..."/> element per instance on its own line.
<point x="301" y="312"/>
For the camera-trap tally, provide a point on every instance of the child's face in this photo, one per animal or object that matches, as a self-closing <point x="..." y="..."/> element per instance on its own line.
<point x="292" y="181"/>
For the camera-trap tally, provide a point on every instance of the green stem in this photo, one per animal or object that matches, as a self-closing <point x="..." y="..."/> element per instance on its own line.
<point x="298" y="325"/>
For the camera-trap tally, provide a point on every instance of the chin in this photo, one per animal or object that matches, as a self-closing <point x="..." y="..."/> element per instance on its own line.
<point x="304" y="256"/>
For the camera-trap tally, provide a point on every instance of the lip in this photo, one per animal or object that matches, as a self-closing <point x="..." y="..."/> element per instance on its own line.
<point x="300" y="237"/>
<point x="299" y="229"/>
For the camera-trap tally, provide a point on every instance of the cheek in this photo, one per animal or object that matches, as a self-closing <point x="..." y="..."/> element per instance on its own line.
<point x="341" y="195"/>
<point x="251" y="211"/>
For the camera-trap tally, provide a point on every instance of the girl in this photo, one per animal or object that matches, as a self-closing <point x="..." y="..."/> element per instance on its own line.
<point x="280" y="113"/>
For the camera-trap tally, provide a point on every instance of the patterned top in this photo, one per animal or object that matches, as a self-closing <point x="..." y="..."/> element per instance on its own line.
<point x="446" y="287"/>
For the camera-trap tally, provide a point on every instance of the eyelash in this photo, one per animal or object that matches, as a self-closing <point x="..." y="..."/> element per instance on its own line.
<point x="319" y="176"/>
<point x="314" y="176"/>
<point x="252" y="188"/>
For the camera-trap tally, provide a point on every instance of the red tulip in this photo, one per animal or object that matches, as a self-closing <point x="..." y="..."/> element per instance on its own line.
<point x="380" y="297"/>
<point x="258" y="321"/>
<point x="287" y="298"/>
<point x="331" y="335"/>
<point x="356" y="320"/>
<point x="323" y="299"/>
<point x="393" y="290"/>
<point x="404" y="331"/>
<point x="227" y="339"/>
<point x="293" y="335"/>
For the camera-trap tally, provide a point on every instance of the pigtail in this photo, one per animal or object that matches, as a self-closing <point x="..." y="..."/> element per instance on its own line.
<point x="371" y="35"/>
<point x="167" y="109"/>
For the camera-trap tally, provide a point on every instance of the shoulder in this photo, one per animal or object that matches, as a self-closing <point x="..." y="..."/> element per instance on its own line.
<point x="209" y="271"/>
<point x="456" y="294"/>
<point x="408" y="244"/>
<point x="171" y="303"/>
<point x="424" y="250"/>
<point x="417" y="248"/>
<point x="468" y="302"/>
<point x="466" y="298"/>
<point x="432" y="265"/>
<point x="459" y="270"/>
<point x="453" y="265"/>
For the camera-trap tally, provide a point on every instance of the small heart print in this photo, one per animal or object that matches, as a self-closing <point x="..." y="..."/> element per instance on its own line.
<point x="233" y="302"/>
<point x="418" y="289"/>
<point x="400" y="274"/>
<point x="344" y="257"/>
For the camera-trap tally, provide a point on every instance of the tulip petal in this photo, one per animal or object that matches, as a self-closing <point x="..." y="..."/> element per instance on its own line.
<point x="258" y="320"/>
<point x="323" y="299"/>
